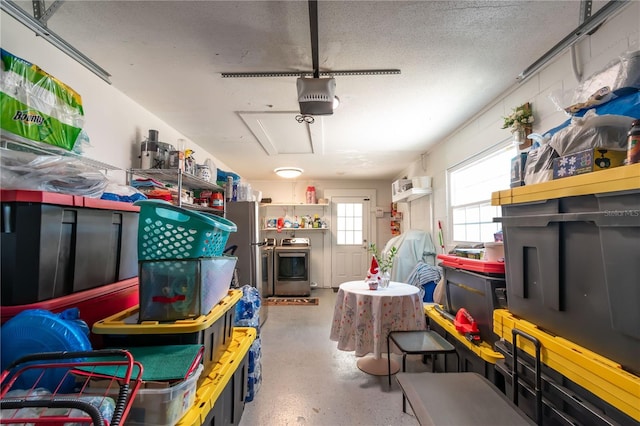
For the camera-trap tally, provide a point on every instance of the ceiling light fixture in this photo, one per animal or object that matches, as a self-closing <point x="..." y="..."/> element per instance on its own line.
<point x="288" y="172"/>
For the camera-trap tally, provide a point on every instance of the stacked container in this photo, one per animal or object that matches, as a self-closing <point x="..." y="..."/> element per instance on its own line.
<point x="185" y="299"/>
<point x="61" y="251"/>
<point x="182" y="271"/>
<point x="572" y="270"/>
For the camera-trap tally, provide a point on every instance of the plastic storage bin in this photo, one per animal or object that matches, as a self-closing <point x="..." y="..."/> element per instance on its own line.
<point x="573" y="264"/>
<point x="213" y="330"/>
<point x="180" y="289"/>
<point x="597" y="381"/>
<point x="478" y="293"/>
<point x="169" y="232"/>
<point x="53" y="245"/>
<point x="164" y="407"/>
<point x="221" y="394"/>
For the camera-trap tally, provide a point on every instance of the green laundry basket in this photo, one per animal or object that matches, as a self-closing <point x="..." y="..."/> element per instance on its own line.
<point x="166" y="231"/>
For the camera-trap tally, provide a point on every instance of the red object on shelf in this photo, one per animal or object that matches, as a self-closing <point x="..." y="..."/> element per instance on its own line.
<point x="475" y="265"/>
<point x="465" y="324"/>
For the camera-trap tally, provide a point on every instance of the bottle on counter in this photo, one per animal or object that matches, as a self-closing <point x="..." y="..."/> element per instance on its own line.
<point x="633" y="143"/>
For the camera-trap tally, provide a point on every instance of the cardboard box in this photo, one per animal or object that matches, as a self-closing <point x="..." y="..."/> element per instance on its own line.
<point x="589" y="160"/>
<point x="518" y="164"/>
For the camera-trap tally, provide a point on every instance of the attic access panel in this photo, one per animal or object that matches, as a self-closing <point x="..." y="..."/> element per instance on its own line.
<point x="278" y="133"/>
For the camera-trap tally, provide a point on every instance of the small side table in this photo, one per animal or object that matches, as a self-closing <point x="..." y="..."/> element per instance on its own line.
<point x="419" y="342"/>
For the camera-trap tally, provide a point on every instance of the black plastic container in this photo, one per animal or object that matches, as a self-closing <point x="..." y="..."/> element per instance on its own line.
<point x="573" y="268"/>
<point x="215" y="338"/>
<point x="229" y="406"/>
<point x="479" y="294"/>
<point x="563" y="400"/>
<point x="53" y="250"/>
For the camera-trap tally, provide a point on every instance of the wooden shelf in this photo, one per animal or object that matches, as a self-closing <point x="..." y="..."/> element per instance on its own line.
<point x="411" y="194"/>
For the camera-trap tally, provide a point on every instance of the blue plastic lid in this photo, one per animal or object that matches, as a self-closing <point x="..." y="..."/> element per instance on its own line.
<point x="36" y="331"/>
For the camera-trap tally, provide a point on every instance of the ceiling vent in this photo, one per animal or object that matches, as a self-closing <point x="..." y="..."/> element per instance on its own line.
<point x="316" y="95"/>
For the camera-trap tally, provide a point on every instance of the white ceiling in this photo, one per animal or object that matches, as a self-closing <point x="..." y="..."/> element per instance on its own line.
<point x="455" y="57"/>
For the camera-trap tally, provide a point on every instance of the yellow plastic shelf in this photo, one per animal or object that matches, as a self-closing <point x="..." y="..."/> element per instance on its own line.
<point x="212" y="385"/>
<point x="599" y="375"/>
<point x="126" y="322"/>
<point x="483" y="350"/>
<point x="621" y="178"/>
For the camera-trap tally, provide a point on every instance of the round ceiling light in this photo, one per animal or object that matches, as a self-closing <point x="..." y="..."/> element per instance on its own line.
<point x="288" y="172"/>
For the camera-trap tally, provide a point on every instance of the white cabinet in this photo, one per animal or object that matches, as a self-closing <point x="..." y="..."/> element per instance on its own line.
<point x="410" y="194"/>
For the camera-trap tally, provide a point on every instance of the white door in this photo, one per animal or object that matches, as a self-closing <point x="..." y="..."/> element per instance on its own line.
<point x="349" y="238"/>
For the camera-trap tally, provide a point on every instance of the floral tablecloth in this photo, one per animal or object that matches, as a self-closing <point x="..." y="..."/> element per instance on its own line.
<point x="362" y="318"/>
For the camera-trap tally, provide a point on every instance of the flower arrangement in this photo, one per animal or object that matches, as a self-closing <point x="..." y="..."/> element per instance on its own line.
<point x="384" y="263"/>
<point x="519" y="119"/>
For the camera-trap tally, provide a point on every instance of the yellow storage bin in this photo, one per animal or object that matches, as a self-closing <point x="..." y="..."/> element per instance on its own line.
<point x="617" y="179"/>
<point x="601" y="376"/>
<point x="213" y="330"/>
<point x="571" y="244"/>
<point x="221" y="392"/>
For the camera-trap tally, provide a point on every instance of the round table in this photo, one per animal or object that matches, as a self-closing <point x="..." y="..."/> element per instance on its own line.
<point x="363" y="318"/>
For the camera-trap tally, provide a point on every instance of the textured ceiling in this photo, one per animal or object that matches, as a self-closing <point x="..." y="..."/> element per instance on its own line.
<point x="455" y="57"/>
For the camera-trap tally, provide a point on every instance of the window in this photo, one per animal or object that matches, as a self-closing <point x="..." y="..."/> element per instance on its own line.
<point x="349" y="223"/>
<point x="470" y="188"/>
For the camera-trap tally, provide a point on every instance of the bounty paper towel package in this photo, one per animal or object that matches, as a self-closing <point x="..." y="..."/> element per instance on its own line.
<point x="35" y="106"/>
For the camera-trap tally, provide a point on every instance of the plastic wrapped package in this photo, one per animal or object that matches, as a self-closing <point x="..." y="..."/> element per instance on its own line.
<point x="105" y="405"/>
<point x="622" y="72"/>
<point x="51" y="173"/>
<point x="539" y="166"/>
<point x="592" y="131"/>
<point x="248" y="308"/>
<point x="36" y="106"/>
<point x="254" y="370"/>
<point x="125" y="193"/>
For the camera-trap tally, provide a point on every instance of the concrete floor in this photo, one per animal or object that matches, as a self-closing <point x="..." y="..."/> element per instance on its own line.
<point x="306" y="380"/>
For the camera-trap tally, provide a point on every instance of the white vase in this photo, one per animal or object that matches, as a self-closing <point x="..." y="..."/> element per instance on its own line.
<point x="518" y="136"/>
<point x="386" y="278"/>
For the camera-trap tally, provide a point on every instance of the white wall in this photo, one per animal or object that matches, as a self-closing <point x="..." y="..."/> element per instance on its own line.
<point x="115" y="124"/>
<point x="618" y="35"/>
<point x="293" y="191"/>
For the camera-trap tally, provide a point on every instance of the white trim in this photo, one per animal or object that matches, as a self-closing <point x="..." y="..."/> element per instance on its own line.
<point x="493" y="150"/>
<point x="373" y="225"/>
